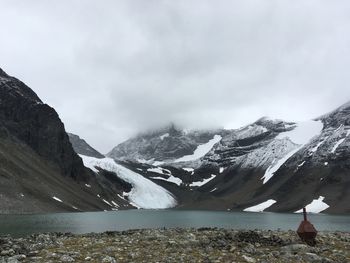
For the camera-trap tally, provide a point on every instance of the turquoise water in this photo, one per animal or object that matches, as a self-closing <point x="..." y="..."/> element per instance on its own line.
<point x="21" y="225"/>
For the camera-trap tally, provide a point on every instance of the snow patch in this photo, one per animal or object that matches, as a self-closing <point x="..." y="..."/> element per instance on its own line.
<point x="300" y="165"/>
<point x="159" y="170"/>
<point x="260" y="207"/>
<point x="276" y="166"/>
<point x="326" y="163"/>
<point x="57" y="199"/>
<point x="157" y="163"/>
<point x="108" y="203"/>
<point x="316" y="206"/>
<point x="171" y="179"/>
<point x="164" y="136"/>
<point x="144" y="194"/>
<point x="201" y="150"/>
<point x="201" y="183"/>
<point x="88" y="186"/>
<point x="301" y="135"/>
<point x="222" y="169"/>
<point x="337" y="145"/>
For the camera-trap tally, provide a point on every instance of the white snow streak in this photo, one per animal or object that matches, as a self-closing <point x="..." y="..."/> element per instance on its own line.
<point x="316" y="206"/>
<point x="337" y="145"/>
<point x="57" y="199"/>
<point x="274" y="167"/>
<point x="171" y="179"/>
<point x="144" y="194"/>
<point x="201" y="183"/>
<point x="300" y="165"/>
<point x="301" y="135"/>
<point x="164" y="136"/>
<point x="201" y="150"/>
<point x="260" y="207"/>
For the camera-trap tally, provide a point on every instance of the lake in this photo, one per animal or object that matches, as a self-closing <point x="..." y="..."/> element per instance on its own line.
<point x="79" y="223"/>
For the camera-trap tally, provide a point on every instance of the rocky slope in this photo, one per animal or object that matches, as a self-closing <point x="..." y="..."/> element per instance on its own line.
<point x="281" y="165"/>
<point x="82" y="147"/>
<point x="39" y="170"/>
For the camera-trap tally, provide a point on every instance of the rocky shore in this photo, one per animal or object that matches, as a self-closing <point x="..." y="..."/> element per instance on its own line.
<point x="176" y="245"/>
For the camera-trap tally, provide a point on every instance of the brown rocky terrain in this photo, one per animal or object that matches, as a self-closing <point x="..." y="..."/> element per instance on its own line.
<point x="176" y="245"/>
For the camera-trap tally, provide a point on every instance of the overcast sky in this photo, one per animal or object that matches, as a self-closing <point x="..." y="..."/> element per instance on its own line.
<point x="112" y="68"/>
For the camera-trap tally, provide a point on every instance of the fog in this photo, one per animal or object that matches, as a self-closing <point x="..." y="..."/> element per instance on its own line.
<point x="112" y="68"/>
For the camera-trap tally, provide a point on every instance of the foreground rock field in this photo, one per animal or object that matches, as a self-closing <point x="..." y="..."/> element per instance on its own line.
<point x="176" y="245"/>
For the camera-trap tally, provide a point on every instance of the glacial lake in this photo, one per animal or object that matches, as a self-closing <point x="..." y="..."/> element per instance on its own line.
<point x="79" y="223"/>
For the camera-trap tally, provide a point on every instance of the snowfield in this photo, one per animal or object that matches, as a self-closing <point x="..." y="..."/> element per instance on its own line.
<point x="144" y="194"/>
<point x="302" y="134"/>
<point x="260" y="207"/>
<point x="201" y="183"/>
<point x="316" y="206"/>
<point x="201" y="150"/>
<point x="166" y="172"/>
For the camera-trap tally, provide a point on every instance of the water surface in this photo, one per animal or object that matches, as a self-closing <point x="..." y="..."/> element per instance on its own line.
<point x="79" y="223"/>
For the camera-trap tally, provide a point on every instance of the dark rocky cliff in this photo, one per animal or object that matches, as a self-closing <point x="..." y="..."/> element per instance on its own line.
<point x="38" y="125"/>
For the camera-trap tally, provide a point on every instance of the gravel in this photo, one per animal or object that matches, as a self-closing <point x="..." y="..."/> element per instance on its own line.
<point x="176" y="245"/>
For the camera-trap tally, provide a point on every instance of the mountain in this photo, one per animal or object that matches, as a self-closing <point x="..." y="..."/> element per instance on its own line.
<point x="270" y="165"/>
<point x="39" y="170"/>
<point x="82" y="147"/>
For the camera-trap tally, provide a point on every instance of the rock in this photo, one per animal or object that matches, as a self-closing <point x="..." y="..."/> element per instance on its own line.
<point x="9" y="252"/>
<point x="250" y="249"/>
<point x="19" y="257"/>
<point x="109" y="259"/>
<point x="295" y="248"/>
<point x="66" y="258"/>
<point x="248" y="259"/>
<point x="311" y="257"/>
<point x="12" y="260"/>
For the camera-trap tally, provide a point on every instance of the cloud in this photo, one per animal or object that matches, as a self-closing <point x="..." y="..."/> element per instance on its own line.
<point x="114" y="68"/>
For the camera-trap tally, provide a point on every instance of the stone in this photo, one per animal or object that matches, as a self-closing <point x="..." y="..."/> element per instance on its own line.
<point x="248" y="259"/>
<point x="108" y="259"/>
<point x="66" y="258"/>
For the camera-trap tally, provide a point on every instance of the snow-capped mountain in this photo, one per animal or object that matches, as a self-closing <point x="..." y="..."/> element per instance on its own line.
<point x="281" y="165"/>
<point x="269" y="165"/>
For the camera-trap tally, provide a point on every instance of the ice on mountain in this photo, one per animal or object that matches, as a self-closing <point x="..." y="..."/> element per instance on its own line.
<point x="300" y="165"/>
<point x="201" y="150"/>
<point x="57" y="199"/>
<point x="108" y="203"/>
<point x="316" y="206"/>
<point x="260" y="207"/>
<point x="303" y="133"/>
<point x="170" y="179"/>
<point x="164" y="136"/>
<point x="144" y="194"/>
<point x="338" y="143"/>
<point x="201" y="183"/>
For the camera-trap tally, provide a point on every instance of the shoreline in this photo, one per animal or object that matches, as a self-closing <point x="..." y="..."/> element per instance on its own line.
<point x="176" y="245"/>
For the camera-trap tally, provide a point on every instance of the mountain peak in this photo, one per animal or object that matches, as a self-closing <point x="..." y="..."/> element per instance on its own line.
<point x="15" y="87"/>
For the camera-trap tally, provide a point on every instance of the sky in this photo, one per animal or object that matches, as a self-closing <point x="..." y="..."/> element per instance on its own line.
<point x="114" y="68"/>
